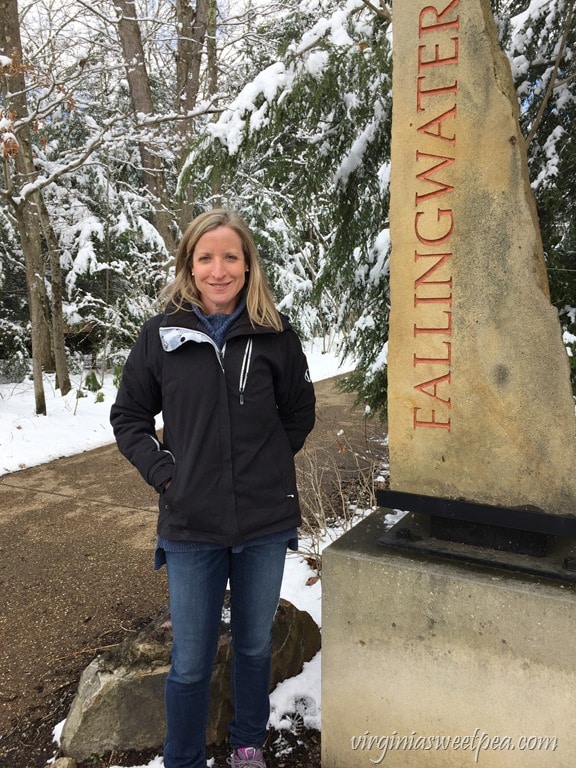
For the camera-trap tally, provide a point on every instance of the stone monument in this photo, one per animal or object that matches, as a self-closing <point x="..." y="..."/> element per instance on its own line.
<point x="449" y="642"/>
<point x="477" y="366"/>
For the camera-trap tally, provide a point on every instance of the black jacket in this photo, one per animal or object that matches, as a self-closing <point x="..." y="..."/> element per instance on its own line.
<point x="233" y="421"/>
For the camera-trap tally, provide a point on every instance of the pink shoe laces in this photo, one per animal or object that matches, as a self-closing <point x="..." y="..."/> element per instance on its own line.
<point x="247" y="757"/>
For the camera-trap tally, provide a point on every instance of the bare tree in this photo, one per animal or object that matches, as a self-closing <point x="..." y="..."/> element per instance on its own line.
<point x="18" y="171"/>
<point x="192" y="25"/>
<point x="141" y="96"/>
<point x="172" y="63"/>
<point x="58" y="325"/>
<point x="211" y="49"/>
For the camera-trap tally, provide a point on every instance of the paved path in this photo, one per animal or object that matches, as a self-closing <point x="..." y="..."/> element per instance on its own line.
<point x="76" y="543"/>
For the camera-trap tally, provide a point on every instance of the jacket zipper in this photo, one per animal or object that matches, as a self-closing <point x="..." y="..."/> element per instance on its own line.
<point x="219" y="353"/>
<point x="245" y="369"/>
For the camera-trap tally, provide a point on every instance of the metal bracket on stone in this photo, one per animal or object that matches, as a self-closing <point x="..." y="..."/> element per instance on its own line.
<point x="523" y="540"/>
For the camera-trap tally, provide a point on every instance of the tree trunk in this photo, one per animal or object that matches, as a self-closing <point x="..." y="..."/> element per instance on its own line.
<point x="211" y="50"/>
<point x="59" y="347"/>
<point x="212" y="66"/>
<point x="141" y="97"/>
<point x="192" y="26"/>
<point x="26" y="211"/>
<point x="27" y="224"/>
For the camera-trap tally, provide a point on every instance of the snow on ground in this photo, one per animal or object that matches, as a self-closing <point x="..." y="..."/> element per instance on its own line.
<point x="75" y="424"/>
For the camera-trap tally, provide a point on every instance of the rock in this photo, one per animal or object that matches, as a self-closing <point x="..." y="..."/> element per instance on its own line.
<point x="120" y="699"/>
<point x="63" y="762"/>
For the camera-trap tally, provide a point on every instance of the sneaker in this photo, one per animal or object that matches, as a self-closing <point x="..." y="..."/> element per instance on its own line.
<point x="247" y="757"/>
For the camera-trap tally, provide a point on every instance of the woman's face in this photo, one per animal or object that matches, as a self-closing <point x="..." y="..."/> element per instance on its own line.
<point x="219" y="269"/>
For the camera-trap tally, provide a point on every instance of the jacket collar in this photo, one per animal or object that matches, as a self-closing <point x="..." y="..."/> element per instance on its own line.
<point x="184" y="318"/>
<point x="180" y="326"/>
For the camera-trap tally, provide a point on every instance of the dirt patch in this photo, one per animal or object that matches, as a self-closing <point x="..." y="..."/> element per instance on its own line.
<point x="76" y="543"/>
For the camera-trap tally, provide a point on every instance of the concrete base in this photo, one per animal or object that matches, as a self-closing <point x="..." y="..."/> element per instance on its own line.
<point x="429" y="663"/>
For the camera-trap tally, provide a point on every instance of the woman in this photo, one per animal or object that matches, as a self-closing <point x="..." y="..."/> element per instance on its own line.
<point x="229" y="375"/>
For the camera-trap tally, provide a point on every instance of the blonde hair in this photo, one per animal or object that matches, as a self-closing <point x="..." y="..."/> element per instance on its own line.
<point x="183" y="290"/>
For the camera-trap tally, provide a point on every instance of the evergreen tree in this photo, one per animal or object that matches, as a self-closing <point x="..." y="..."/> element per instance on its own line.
<point x="541" y="43"/>
<point x="305" y="149"/>
<point x="300" y="145"/>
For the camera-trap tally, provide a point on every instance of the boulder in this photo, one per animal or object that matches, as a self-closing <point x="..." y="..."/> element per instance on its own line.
<point x="120" y="699"/>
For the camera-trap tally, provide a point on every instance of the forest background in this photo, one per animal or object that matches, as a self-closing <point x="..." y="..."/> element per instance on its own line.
<point x="122" y="119"/>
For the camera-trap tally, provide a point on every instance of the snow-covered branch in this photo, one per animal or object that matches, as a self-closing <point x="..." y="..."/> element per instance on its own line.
<point x="383" y="10"/>
<point x="553" y="76"/>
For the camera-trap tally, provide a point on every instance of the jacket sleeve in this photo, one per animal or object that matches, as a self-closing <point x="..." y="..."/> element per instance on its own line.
<point x="138" y="401"/>
<point x="295" y="396"/>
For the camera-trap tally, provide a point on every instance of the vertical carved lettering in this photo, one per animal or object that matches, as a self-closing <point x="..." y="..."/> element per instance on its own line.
<point x="436" y="57"/>
<point x="430" y="388"/>
<point x="439" y="17"/>
<point x="427" y="176"/>
<point x="436" y="360"/>
<point x="446" y="330"/>
<point x="438" y="122"/>
<point x="441" y="213"/>
<point x="431" y="422"/>
<point x="436" y="84"/>
<point x="441" y="261"/>
<point x="422" y="92"/>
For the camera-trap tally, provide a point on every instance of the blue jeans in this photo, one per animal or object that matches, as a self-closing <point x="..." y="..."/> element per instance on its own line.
<point x="197" y="582"/>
